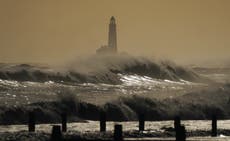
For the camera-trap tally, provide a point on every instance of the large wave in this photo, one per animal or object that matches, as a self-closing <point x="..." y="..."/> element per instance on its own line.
<point x="198" y="105"/>
<point x="98" y="69"/>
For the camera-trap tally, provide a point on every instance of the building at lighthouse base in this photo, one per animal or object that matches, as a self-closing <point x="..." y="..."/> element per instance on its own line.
<point x="105" y="50"/>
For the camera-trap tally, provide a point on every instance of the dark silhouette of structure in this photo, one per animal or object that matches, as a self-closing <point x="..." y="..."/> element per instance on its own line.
<point x="31" y="122"/>
<point x="56" y="134"/>
<point x="180" y="133"/>
<point x="214" y="126"/>
<point x="102" y="121"/>
<point x="177" y="122"/>
<point x="179" y="129"/>
<point x="112" y="39"/>
<point x="118" y="132"/>
<point x="64" y="122"/>
<point x="141" y="122"/>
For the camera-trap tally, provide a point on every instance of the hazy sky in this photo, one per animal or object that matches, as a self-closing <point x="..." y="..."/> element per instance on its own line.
<point x="53" y="31"/>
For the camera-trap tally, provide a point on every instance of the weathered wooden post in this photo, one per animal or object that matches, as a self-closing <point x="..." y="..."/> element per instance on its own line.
<point x="141" y="122"/>
<point x="214" y="126"/>
<point x="102" y="121"/>
<point x="64" y="122"/>
<point x="177" y="122"/>
<point x="179" y="129"/>
<point x="118" y="133"/>
<point x="56" y="133"/>
<point x="31" y="124"/>
<point x="180" y="133"/>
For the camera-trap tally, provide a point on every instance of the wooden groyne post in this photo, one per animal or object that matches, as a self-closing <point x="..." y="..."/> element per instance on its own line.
<point x="102" y="121"/>
<point x="180" y="133"/>
<point x="177" y="122"/>
<point x="64" y="122"/>
<point x="214" y="126"/>
<point x="31" y="122"/>
<point x="118" y="133"/>
<point x="179" y="129"/>
<point x="141" y="122"/>
<point x="56" y="134"/>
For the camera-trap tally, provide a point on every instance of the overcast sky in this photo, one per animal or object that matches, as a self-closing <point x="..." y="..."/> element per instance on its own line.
<point x="54" y="31"/>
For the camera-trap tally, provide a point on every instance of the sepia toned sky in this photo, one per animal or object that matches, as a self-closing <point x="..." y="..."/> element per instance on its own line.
<point x="55" y="31"/>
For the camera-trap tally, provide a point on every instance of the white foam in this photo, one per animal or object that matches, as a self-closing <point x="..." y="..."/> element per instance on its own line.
<point x="134" y="80"/>
<point x="49" y="82"/>
<point x="9" y="83"/>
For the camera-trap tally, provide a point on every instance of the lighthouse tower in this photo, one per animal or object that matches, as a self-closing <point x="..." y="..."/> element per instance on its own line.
<point x="112" y="41"/>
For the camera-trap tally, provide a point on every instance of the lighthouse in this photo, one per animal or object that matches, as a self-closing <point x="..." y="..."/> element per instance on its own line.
<point x="112" y="39"/>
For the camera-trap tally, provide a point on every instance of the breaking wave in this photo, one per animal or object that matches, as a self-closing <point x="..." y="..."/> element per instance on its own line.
<point x="100" y="69"/>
